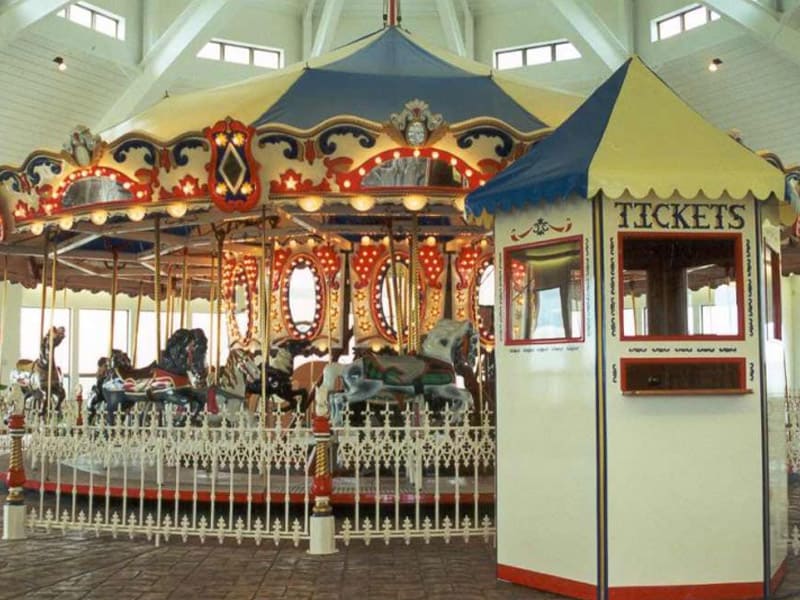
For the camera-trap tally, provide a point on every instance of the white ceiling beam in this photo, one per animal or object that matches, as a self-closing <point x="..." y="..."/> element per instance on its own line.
<point x="329" y="21"/>
<point x="185" y="35"/>
<point x="762" y="24"/>
<point x="586" y="23"/>
<point x="451" y="27"/>
<point x="19" y="16"/>
<point x="308" y="28"/>
<point x="469" y="29"/>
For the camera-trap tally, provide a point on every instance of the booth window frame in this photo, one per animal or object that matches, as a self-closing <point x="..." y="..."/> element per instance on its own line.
<point x="660" y="365"/>
<point x="739" y="279"/>
<point x="578" y="240"/>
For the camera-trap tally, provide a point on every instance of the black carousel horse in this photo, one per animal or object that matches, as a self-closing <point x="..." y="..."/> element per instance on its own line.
<point x="174" y="380"/>
<point x="36" y="377"/>
<point x="279" y="377"/>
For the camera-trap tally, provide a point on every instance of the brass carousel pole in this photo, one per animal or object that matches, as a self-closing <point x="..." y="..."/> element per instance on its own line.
<point x="220" y="234"/>
<point x="4" y="308"/>
<point x="169" y="298"/>
<point x="211" y="301"/>
<point x="479" y="363"/>
<point x="157" y="284"/>
<point x="51" y="341"/>
<point x="396" y="293"/>
<point x="264" y="292"/>
<point x="44" y="287"/>
<point x="413" y="289"/>
<point x="183" y="287"/>
<point x="114" y="280"/>
<point x="136" y="324"/>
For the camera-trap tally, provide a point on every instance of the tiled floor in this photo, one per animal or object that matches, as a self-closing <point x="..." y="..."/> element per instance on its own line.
<point x="73" y="567"/>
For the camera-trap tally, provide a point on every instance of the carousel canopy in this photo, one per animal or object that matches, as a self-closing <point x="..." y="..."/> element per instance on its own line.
<point x="367" y="79"/>
<point x="632" y="135"/>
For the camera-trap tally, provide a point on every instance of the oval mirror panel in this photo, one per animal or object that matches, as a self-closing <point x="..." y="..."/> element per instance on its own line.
<point x="304" y="310"/>
<point x="486" y="290"/>
<point x="241" y="313"/>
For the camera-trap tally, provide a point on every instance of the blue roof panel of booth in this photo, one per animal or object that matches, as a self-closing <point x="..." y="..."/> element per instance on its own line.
<point x="379" y="78"/>
<point x="558" y="165"/>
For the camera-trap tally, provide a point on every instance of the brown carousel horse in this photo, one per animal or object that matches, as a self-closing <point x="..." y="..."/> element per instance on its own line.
<point x="173" y="380"/>
<point x="36" y="377"/>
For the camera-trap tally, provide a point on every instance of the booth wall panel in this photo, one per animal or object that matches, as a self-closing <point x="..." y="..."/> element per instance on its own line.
<point x="547" y="466"/>
<point x="684" y="472"/>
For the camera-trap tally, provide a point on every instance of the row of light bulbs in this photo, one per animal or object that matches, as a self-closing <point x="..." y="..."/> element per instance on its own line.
<point x="176" y="210"/>
<point x="99" y="216"/>
<point x="363" y="203"/>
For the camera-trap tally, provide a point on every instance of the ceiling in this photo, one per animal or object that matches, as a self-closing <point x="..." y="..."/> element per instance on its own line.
<point x="755" y="91"/>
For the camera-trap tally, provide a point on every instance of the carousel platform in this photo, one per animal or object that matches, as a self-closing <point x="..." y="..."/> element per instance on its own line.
<point x="83" y="477"/>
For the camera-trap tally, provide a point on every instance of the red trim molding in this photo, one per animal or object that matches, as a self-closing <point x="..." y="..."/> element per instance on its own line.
<point x="709" y="591"/>
<point x="548" y="583"/>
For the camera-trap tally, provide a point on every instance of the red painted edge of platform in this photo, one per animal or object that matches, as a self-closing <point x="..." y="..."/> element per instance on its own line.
<point x="548" y="583"/>
<point x="777" y="578"/>
<point x="340" y="498"/>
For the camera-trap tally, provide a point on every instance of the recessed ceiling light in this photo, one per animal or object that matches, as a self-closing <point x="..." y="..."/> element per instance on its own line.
<point x="713" y="66"/>
<point x="61" y="64"/>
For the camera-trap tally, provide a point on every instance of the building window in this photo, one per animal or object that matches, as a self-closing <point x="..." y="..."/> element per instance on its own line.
<point x="95" y="18"/>
<point x="544" y="292"/>
<point x="538" y="54"/>
<point x="666" y="276"/>
<point x="675" y="23"/>
<point x="242" y="54"/>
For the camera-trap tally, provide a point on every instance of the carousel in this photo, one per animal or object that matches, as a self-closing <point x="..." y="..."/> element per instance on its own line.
<point x="319" y="212"/>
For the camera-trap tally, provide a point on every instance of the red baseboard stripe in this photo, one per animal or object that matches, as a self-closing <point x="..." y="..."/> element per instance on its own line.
<point x="710" y="591"/>
<point x="547" y="583"/>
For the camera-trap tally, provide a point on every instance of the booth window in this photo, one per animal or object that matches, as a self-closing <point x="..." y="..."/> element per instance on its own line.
<point x="544" y="292"/>
<point x="681" y="286"/>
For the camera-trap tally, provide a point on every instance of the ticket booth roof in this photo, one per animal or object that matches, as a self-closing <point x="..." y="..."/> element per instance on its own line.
<point x="633" y="135"/>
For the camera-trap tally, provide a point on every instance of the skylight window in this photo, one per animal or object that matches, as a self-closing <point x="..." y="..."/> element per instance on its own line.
<point x="242" y="54"/>
<point x="690" y="17"/>
<point x="537" y="54"/>
<point x="102" y="21"/>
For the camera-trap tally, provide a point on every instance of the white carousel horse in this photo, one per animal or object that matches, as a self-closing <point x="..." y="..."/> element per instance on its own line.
<point x="447" y="351"/>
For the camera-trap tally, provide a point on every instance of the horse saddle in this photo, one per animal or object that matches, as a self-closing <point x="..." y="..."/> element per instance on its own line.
<point x="131" y="373"/>
<point x="408" y="370"/>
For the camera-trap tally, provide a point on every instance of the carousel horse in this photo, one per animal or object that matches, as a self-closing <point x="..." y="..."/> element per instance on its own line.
<point x="173" y="380"/>
<point x="32" y="375"/>
<point x="450" y="349"/>
<point x="279" y="377"/>
<point x="228" y="395"/>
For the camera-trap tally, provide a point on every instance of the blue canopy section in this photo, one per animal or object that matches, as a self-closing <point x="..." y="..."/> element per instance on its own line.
<point x="380" y="78"/>
<point x="557" y="166"/>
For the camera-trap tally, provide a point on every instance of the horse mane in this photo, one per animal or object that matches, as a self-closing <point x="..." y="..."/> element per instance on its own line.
<point x="174" y="357"/>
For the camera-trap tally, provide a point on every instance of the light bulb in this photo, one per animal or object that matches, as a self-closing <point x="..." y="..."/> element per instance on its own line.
<point x="177" y="209"/>
<point x="37" y="227"/>
<point x="362" y="203"/>
<point x="66" y="222"/>
<point x="310" y="203"/>
<point x="136" y="212"/>
<point x="415" y="202"/>
<point x="98" y="217"/>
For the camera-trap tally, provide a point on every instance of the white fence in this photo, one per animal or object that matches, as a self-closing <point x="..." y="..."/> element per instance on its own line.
<point x="398" y="475"/>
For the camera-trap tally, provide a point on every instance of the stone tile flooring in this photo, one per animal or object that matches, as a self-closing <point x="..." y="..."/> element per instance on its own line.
<point x="73" y="567"/>
<point x="84" y="567"/>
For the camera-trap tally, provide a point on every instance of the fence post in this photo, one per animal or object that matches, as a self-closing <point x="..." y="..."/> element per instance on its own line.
<point x="14" y="507"/>
<point x="322" y="522"/>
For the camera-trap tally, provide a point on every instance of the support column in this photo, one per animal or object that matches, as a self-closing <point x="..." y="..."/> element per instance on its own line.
<point x="14" y="507"/>
<point x="322" y="522"/>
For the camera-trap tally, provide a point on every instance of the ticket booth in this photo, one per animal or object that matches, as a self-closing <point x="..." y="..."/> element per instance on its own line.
<point x="640" y="379"/>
